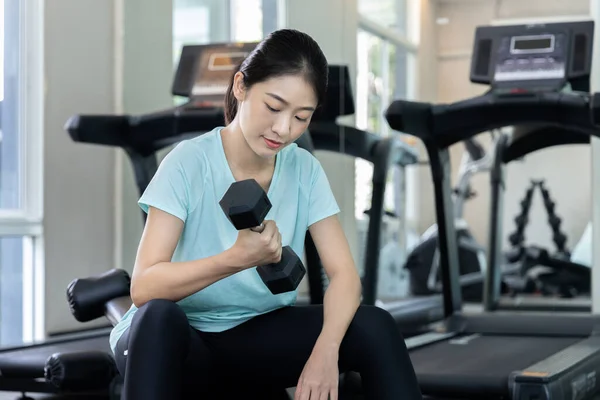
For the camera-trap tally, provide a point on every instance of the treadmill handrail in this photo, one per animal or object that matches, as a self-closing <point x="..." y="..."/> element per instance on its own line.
<point x="358" y="143"/>
<point x="145" y="133"/>
<point x="343" y="139"/>
<point x="447" y="124"/>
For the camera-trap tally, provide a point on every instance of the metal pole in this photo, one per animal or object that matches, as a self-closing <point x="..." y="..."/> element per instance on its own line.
<point x="595" y="176"/>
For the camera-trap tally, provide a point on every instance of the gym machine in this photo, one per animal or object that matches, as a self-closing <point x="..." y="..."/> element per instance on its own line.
<point x="564" y="285"/>
<point x="509" y="355"/>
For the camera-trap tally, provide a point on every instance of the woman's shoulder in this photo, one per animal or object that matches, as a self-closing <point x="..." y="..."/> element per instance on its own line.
<point x="192" y="152"/>
<point x="299" y="156"/>
<point x="301" y="163"/>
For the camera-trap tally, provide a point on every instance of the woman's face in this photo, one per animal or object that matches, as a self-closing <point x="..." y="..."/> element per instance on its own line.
<point x="274" y="113"/>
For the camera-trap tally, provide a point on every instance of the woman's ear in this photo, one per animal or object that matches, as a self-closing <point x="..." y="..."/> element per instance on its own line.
<point x="239" y="89"/>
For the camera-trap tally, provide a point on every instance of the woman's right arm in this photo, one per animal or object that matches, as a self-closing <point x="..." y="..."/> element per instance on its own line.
<point x="155" y="276"/>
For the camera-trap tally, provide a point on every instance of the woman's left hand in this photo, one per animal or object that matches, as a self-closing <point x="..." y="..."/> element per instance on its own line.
<point x="320" y="376"/>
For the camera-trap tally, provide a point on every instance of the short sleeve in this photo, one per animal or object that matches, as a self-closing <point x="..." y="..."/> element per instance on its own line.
<point x="169" y="188"/>
<point x="322" y="202"/>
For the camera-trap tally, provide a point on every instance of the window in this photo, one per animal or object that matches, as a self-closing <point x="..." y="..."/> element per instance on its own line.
<point x="199" y="22"/>
<point x="21" y="152"/>
<point x="386" y="71"/>
<point x="384" y="75"/>
<point x="246" y="20"/>
<point x="214" y="21"/>
<point x="390" y="14"/>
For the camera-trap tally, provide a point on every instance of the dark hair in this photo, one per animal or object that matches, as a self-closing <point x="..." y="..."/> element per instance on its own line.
<point x="283" y="52"/>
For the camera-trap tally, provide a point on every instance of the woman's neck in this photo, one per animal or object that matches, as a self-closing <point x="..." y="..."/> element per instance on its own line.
<point x="243" y="161"/>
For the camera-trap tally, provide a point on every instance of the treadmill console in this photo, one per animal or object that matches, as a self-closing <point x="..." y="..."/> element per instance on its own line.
<point x="204" y="71"/>
<point x="539" y="55"/>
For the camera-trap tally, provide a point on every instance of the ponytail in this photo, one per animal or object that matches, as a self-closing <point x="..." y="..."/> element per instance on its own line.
<point x="230" y="100"/>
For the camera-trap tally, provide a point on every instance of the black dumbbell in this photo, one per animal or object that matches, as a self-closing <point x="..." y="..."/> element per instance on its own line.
<point x="246" y="205"/>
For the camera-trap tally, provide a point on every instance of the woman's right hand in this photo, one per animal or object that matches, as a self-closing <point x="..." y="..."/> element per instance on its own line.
<point x="254" y="248"/>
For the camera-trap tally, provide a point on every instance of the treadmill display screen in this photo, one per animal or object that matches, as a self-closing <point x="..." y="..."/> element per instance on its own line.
<point x="226" y="61"/>
<point x="528" y="58"/>
<point x="213" y="68"/>
<point x="532" y="44"/>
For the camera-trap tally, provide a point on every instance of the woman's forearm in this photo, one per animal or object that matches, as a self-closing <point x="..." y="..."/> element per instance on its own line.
<point x="340" y="303"/>
<point x="177" y="280"/>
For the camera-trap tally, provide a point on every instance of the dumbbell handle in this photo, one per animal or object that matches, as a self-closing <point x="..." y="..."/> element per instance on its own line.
<point x="258" y="229"/>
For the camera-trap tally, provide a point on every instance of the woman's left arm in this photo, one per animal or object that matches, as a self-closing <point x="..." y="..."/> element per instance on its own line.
<point x="319" y="378"/>
<point x="343" y="295"/>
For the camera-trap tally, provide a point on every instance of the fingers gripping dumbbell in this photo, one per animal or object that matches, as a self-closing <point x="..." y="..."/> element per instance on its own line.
<point x="246" y="205"/>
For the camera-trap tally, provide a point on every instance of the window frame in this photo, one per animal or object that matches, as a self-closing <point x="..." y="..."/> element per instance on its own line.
<point x="27" y="221"/>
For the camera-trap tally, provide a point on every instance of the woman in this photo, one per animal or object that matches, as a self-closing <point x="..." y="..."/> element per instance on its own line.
<point x="203" y="324"/>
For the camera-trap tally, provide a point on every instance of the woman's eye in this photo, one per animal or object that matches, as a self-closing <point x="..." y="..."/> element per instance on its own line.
<point x="302" y="119"/>
<point x="271" y="108"/>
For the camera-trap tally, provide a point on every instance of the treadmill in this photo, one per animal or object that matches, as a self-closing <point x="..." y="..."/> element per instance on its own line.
<point x="505" y="355"/>
<point x="559" y="273"/>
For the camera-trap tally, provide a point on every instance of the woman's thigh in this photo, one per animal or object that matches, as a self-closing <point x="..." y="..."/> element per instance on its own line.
<point x="274" y="347"/>
<point x="162" y="350"/>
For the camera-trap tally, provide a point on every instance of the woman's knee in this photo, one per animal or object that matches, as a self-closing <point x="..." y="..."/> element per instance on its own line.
<point x="373" y="328"/>
<point x="161" y="313"/>
<point x="375" y="319"/>
<point x="373" y="339"/>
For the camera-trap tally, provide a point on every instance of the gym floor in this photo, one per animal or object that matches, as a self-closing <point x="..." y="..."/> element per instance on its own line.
<point x="17" y="395"/>
<point x="34" y="396"/>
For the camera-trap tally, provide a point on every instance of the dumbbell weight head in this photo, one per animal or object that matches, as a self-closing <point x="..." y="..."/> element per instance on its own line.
<point x="246" y="205"/>
<point x="284" y="276"/>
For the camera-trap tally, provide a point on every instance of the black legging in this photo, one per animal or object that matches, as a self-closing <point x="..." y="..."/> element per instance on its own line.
<point x="162" y="357"/>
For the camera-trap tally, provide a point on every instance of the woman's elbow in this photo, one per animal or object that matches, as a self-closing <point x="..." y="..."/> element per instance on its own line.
<point x="139" y="290"/>
<point x="139" y="297"/>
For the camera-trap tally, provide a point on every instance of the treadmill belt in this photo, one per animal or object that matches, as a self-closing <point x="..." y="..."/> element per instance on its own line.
<point x="29" y="362"/>
<point x="480" y="364"/>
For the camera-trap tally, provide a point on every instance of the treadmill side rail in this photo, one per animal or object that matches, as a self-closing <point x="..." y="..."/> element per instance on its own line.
<point x="425" y="339"/>
<point x="525" y="324"/>
<point x="534" y="303"/>
<point x="569" y="374"/>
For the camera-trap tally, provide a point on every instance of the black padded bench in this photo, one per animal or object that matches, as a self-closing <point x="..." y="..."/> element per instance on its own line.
<point x="82" y="366"/>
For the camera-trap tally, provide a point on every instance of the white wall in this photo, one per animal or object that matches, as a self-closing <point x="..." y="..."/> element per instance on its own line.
<point x="78" y="179"/>
<point x="566" y="169"/>
<point x="147" y="77"/>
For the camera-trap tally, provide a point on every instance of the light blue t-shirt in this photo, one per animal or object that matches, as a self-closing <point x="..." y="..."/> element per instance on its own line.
<point x="189" y="183"/>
